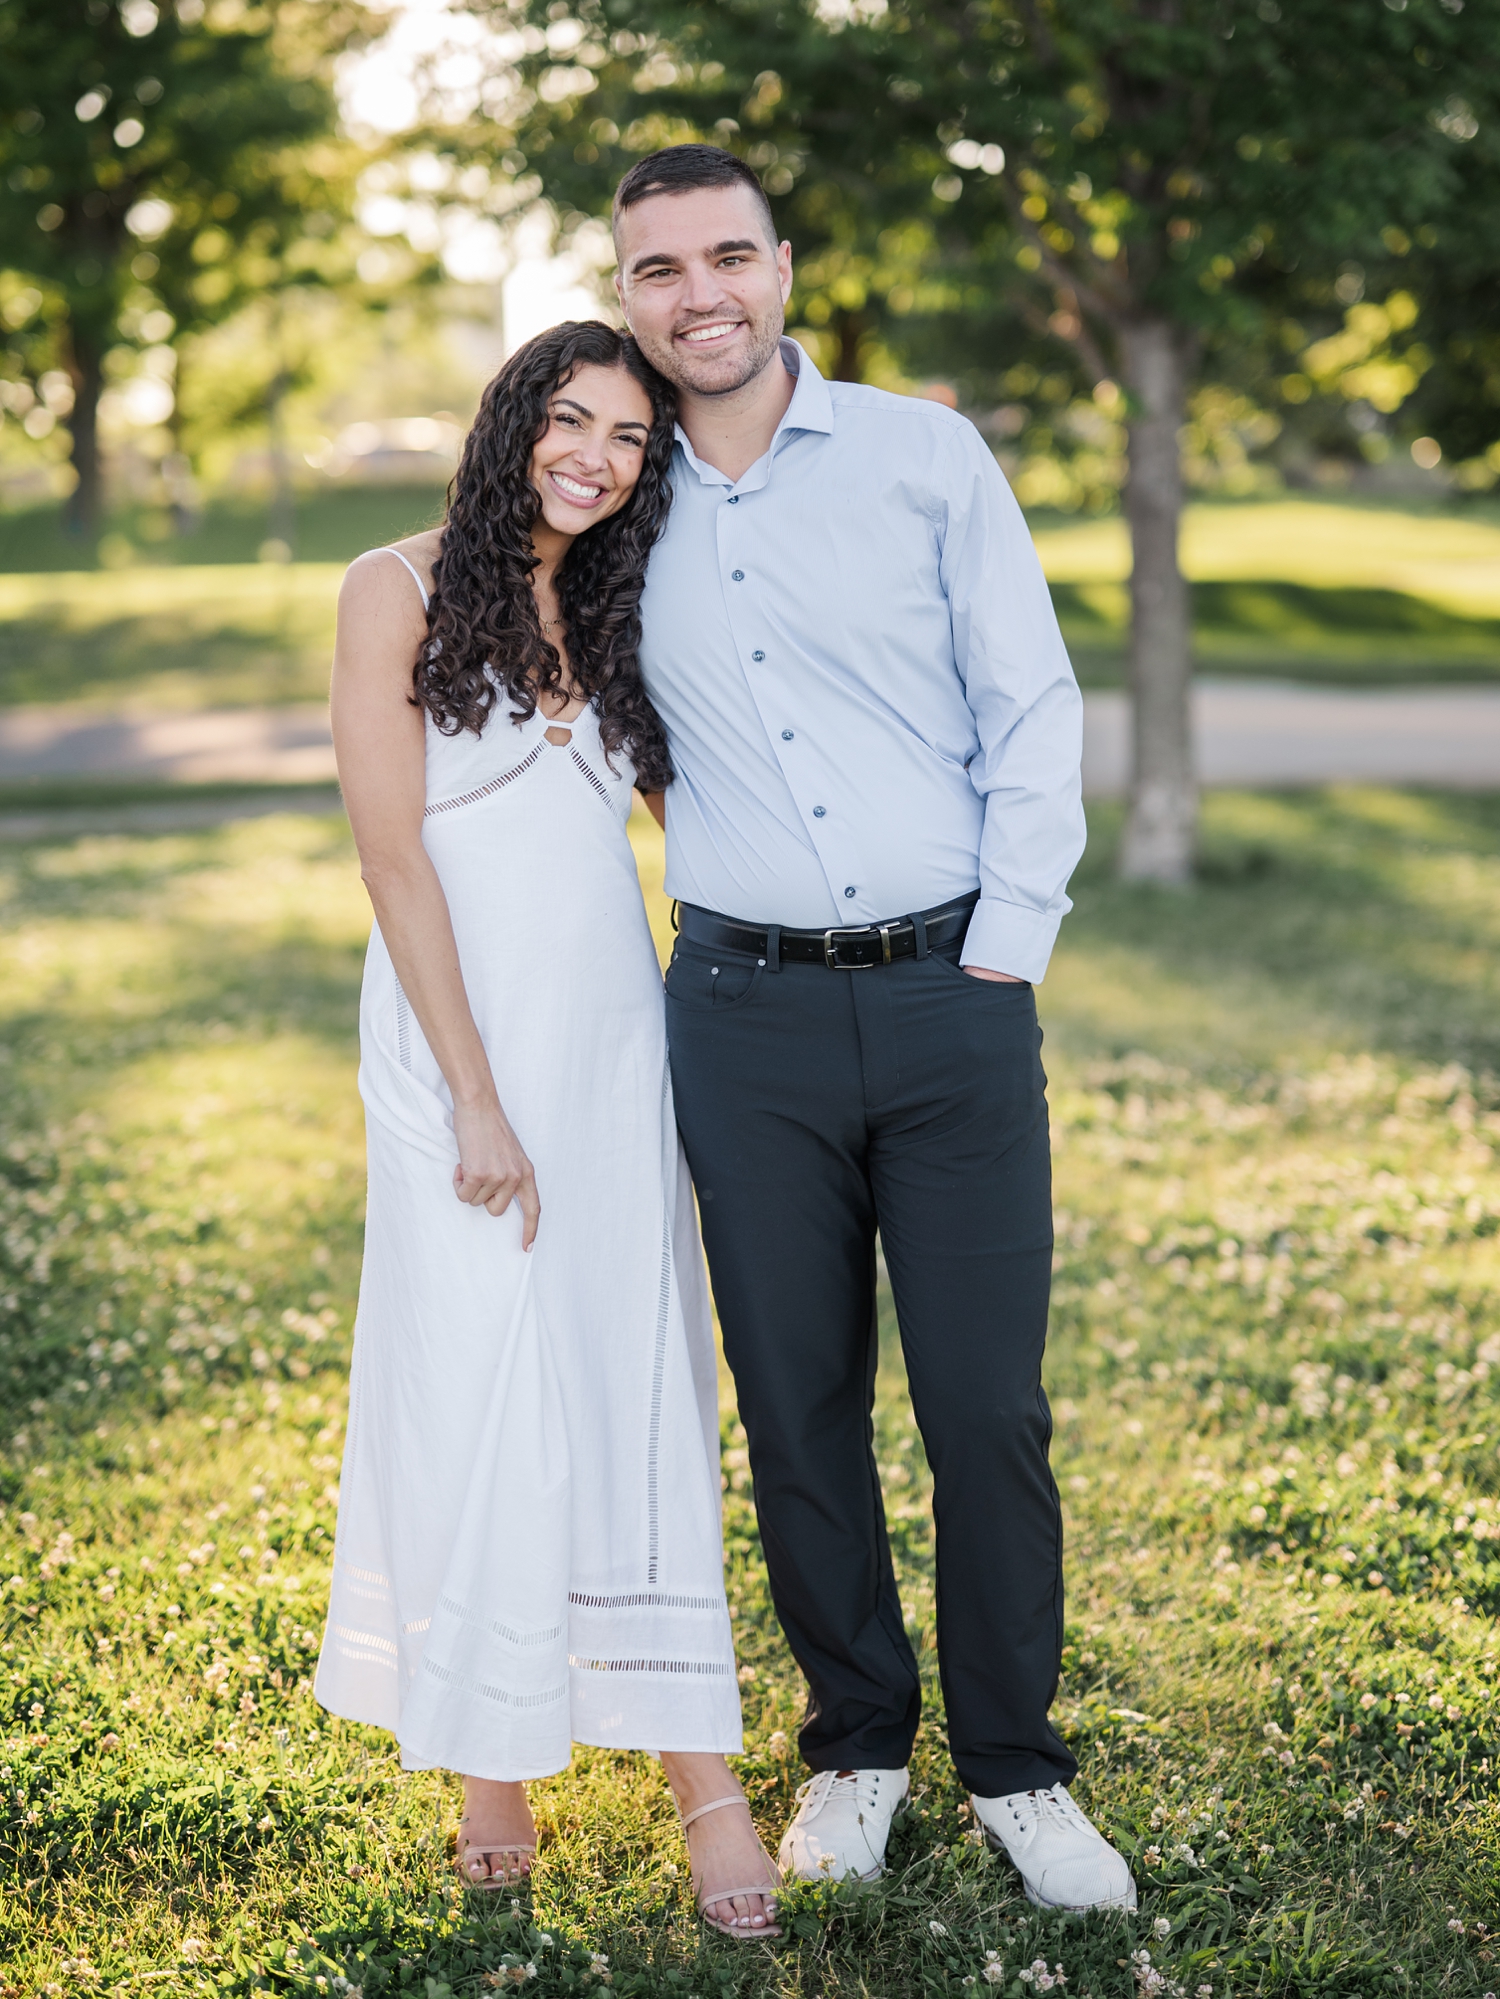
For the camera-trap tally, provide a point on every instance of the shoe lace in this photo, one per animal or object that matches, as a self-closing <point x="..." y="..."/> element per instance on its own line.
<point x="1040" y="1807"/>
<point x="857" y="1787"/>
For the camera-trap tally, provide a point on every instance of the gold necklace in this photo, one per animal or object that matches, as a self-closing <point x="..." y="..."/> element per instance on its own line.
<point x="550" y="624"/>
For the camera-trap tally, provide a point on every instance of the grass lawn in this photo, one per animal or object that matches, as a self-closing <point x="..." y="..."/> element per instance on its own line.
<point x="1274" y="1373"/>
<point x="1301" y="589"/>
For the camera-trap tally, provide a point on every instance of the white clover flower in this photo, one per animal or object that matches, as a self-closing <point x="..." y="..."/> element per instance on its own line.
<point x="938" y="1929"/>
<point x="1162" y="1927"/>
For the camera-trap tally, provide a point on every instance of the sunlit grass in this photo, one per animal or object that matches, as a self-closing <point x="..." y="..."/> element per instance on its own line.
<point x="1273" y="1369"/>
<point x="1305" y="589"/>
<point x="1449" y="557"/>
<point x="157" y="638"/>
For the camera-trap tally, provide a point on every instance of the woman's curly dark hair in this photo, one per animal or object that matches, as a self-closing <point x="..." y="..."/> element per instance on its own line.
<point x="484" y="637"/>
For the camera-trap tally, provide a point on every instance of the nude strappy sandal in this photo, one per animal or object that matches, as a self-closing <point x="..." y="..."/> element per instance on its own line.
<point x="493" y="1882"/>
<point x="739" y="1928"/>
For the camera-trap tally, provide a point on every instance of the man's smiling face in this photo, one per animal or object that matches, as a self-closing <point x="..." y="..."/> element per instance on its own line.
<point x="703" y="287"/>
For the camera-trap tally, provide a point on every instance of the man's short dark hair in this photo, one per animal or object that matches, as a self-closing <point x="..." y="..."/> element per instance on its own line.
<point x="680" y="169"/>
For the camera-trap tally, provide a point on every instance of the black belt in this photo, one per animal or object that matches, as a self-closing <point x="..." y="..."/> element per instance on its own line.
<point x="850" y="948"/>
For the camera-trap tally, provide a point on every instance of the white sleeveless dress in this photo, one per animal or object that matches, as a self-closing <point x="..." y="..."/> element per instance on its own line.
<point x="528" y="1548"/>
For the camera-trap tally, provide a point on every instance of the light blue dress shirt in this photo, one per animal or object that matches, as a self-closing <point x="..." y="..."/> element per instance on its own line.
<point x="870" y="706"/>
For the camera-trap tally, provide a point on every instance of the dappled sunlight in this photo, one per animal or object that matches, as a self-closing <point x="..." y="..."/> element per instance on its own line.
<point x="1451" y="560"/>
<point x="169" y="638"/>
<point x="1321" y="921"/>
<point x="1273" y="1369"/>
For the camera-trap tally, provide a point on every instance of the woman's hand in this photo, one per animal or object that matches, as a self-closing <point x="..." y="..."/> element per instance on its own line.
<point x="492" y="1170"/>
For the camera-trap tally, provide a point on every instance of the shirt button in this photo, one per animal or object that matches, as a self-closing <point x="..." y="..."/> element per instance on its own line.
<point x="787" y="734"/>
<point x="851" y="891"/>
<point x="734" y="499"/>
<point x="738" y="575"/>
<point x="821" y="812"/>
<point x="757" y="655"/>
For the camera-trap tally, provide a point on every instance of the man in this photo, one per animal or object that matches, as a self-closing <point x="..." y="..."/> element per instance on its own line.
<point x="876" y="732"/>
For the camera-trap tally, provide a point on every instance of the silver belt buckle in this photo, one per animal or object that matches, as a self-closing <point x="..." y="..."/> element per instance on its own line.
<point x="830" y="948"/>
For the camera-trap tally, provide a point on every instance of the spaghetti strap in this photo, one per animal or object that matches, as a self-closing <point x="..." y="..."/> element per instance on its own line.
<point x="412" y="572"/>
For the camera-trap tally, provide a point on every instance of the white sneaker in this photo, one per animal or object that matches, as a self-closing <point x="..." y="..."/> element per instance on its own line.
<point x="842" y="1822"/>
<point x="1063" y="1861"/>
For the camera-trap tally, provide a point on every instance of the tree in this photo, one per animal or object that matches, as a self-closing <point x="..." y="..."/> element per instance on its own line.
<point x="1145" y="188"/>
<point x="142" y="146"/>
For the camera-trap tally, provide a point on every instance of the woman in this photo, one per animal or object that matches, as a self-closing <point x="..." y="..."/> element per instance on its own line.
<point x="528" y="1548"/>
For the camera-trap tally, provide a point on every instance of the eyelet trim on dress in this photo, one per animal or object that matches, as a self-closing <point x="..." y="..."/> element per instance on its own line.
<point x="366" y="1575"/>
<point x="591" y="774"/>
<point x="646" y="1599"/>
<point x="707" y="1669"/>
<point x="484" y="790"/>
<point x="403" y="1028"/>
<point x="366" y="1638"/>
<point x="451" y="1677"/>
<point x="523" y="1638"/>
<point x="653" y="1435"/>
<point x="367" y="1646"/>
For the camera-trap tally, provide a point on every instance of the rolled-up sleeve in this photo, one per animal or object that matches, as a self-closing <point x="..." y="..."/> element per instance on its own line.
<point x="1028" y="714"/>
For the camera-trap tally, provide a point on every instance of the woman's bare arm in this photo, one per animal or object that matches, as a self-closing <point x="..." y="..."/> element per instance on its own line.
<point x="655" y="803"/>
<point x="379" y="740"/>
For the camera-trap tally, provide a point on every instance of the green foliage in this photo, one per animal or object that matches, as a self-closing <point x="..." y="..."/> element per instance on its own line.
<point x="1273" y="1349"/>
<point x="158" y="167"/>
<point x="977" y="188"/>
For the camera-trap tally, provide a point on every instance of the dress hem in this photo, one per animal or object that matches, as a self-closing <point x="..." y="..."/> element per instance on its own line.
<point x="411" y="1760"/>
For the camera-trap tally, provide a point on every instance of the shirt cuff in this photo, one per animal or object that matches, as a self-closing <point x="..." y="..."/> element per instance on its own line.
<point x="1004" y="937"/>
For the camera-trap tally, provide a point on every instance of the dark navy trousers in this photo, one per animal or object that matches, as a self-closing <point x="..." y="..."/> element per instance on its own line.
<point x="817" y="1108"/>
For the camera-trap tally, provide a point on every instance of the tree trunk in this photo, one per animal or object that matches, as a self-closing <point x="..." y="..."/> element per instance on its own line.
<point x="86" y="368"/>
<point x="1161" y="823"/>
<point x="282" y="525"/>
<point x="849" y="327"/>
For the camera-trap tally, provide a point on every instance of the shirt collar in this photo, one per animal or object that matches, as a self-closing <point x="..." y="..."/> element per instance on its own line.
<point x="811" y="408"/>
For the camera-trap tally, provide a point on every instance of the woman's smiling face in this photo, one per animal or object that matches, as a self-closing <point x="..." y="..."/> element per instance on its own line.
<point x="586" y="462"/>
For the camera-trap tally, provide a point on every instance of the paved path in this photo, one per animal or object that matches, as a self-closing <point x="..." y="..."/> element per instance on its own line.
<point x="1248" y="733"/>
<point x="1264" y="732"/>
<point x="208" y="746"/>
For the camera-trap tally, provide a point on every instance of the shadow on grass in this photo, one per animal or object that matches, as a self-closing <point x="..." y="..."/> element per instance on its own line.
<point x="332" y="525"/>
<point x="171" y="1563"/>
<point x="1346" y="636"/>
<point x="1320" y="921"/>
<point x="171" y="639"/>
